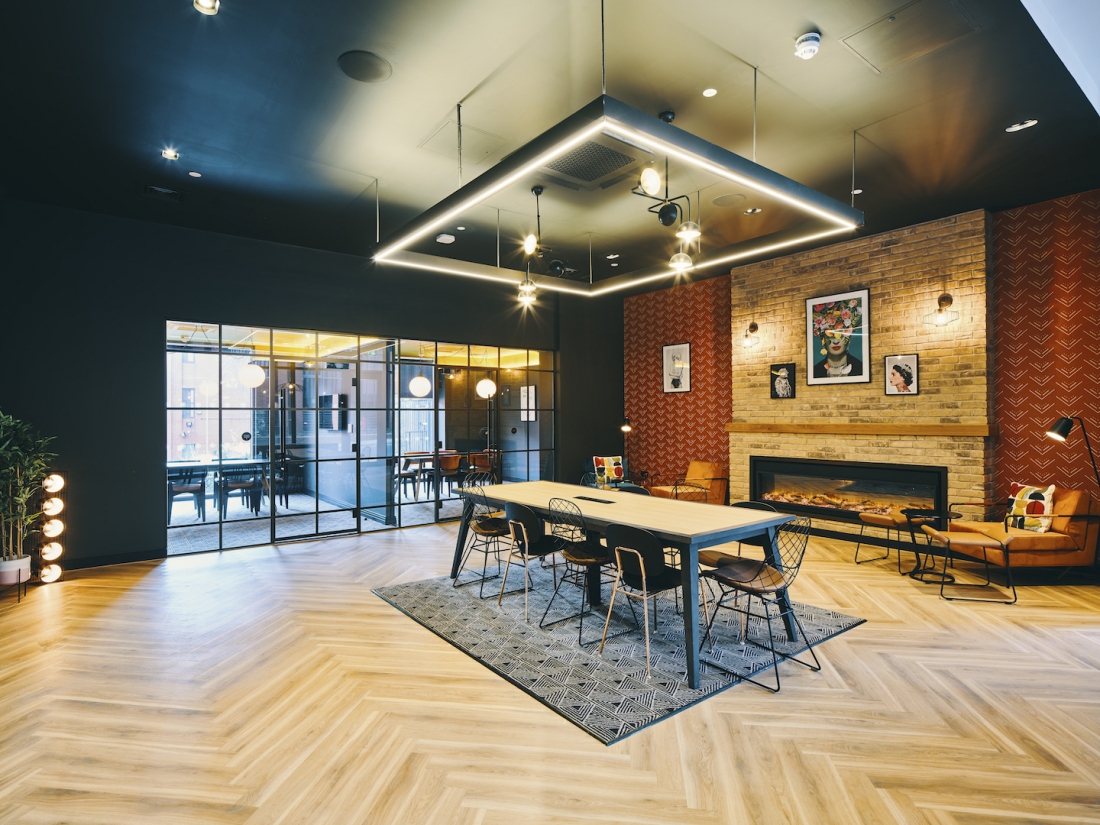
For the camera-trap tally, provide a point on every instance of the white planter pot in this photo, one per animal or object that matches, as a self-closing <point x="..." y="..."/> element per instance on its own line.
<point x="15" y="570"/>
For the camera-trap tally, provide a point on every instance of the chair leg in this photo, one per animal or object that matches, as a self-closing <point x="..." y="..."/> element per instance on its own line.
<point x="988" y="579"/>
<point x="862" y="527"/>
<point x="610" y="608"/>
<point x="645" y="622"/>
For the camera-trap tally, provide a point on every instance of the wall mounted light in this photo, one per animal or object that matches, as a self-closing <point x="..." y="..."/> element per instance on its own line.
<point x="751" y="339"/>
<point x="50" y="573"/>
<point x="943" y="315"/>
<point x="52" y="551"/>
<point x="53" y="528"/>
<point x="52" y="506"/>
<point x="53" y="483"/>
<point x="1061" y="429"/>
<point x="626" y="426"/>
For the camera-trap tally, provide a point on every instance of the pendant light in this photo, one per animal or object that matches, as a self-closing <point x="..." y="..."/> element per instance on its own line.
<point x="486" y="388"/>
<point x="681" y="261"/>
<point x="420" y="386"/>
<point x="688" y="231"/>
<point x="530" y="247"/>
<point x="251" y="375"/>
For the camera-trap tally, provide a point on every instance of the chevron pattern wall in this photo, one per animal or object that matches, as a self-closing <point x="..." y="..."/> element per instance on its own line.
<point x="1046" y="261"/>
<point x="671" y="430"/>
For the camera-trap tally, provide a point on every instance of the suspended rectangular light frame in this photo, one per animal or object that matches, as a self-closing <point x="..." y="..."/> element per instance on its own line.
<point x="825" y="217"/>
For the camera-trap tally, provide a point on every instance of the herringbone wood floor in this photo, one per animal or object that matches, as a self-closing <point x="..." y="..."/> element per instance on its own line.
<point x="270" y="686"/>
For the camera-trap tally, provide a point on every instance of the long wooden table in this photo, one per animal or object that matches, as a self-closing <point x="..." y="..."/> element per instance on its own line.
<point x="687" y="525"/>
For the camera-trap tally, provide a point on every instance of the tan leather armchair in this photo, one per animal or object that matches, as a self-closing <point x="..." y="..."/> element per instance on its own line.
<point x="703" y="481"/>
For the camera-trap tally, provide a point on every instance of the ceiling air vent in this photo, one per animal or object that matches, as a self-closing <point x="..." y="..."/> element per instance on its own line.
<point x="161" y="193"/>
<point x="590" y="162"/>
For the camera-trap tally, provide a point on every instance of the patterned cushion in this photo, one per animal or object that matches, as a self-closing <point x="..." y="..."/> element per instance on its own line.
<point x="609" y="468"/>
<point x="1027" y="505"/>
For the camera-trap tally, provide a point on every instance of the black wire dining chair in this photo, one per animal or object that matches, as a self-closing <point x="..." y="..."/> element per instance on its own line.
<point x="487" y="528"/>
<point x="580" y="553"/>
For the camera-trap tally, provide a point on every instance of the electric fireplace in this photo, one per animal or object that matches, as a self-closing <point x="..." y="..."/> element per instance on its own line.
<point x="841" y="490"/>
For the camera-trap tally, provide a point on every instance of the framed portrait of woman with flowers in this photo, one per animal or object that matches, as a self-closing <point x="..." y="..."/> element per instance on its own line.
<point x="838" y="338"/>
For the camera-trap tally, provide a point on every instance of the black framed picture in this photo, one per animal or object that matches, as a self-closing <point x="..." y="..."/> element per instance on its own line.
<point x="782" y="380"/>
<point x="676" y="360"/>
<point x="902" y="376"/>
<point x="838" y="338"/>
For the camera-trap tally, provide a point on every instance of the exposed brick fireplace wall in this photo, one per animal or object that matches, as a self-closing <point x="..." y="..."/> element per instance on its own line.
<point x="671" y="430"/>
<point x="1046" y="261"/>
<point x="905" y="271"/>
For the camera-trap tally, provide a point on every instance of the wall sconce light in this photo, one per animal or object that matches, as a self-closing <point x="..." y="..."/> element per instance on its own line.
<point x="626" y="426"/>
<point x="53" y="504"/>
<point x="751" y="339"/>
<point x="1061" y="428"/>
<point x="943" y="315"/>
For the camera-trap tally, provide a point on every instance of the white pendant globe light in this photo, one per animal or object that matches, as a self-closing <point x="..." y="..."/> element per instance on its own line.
<point x="251" y="375"/>
<point x="420" y="386"/>
<point x="486" y="388"/>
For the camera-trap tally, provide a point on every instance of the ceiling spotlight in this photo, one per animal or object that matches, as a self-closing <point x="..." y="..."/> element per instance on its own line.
<point x="530" y="245"/>
<point x="461" y="228"/>
<point x="556" y="268"/>
<point x="444" y="238"/>
<point x="756" y="210"/>
<point x="709" y="92"/>
<point x="680" y="261"/>
<point x="195" y="174"/>
<point x="614" y="264"/>
<point x="613" y="256"/>
<point x="169" y="154"/>
<point x="668" y="214"/>
<point x="1023" y="124"/>
<point x="650" y="181"/>
<point x="208" y="6"/>
<point x="857" y="191"/>
<point x="806" y="45"/>
<point x="688" y="231"/>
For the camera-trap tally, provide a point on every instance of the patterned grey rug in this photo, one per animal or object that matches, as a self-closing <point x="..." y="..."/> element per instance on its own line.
<point x="609" y="696"/>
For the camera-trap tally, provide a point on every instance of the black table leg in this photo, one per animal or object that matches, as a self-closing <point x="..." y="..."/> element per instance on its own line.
<point x="689" y="580"/>
<point x="463" y="530"/>
<point x="783" y="597"/>
<point x="593" y="573"/>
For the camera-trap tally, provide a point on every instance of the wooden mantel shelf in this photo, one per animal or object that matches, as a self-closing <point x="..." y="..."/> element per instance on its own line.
<point x="845" y="428"/>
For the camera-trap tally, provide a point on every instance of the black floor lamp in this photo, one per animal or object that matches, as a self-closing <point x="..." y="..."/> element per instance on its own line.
<point x="1062" y="427"/>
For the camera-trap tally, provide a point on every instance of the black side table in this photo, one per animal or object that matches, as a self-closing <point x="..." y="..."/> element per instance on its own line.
<point x="915" y="516"/>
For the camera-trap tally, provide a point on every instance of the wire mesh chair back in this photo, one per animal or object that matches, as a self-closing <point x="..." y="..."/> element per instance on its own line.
<point x="567" y="521"/>
<point x="791" y="540"/>
<point x="482" y="508"/>
<point x="647" y="545"/>
<point x="588" y="480"/>
<point x="690" y="491"/>
<point x="754" y="505"/>
<point x="478" y="479"/>
<point x="532" y="530"/>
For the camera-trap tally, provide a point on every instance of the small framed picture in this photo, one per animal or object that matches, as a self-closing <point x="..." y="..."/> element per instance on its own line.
<point x="838" y="338"/>
<point x="677" y="367"/>
<point x="782" y="380"/>
<point x="902" y="375"/>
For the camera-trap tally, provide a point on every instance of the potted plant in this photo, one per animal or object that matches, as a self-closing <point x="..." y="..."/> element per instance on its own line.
<point x="24" y="463"/>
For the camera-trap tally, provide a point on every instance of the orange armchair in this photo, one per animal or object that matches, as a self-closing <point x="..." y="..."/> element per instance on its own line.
<point x="702" y="482"/>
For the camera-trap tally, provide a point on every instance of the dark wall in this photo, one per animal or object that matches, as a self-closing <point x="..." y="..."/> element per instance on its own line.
<point x="82" y="340"/>
<point x="590" y="404"/>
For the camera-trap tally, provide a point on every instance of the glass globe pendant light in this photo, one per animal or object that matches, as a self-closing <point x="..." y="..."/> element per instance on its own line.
<point x="681" y="261"/>
<point x="251" y="375"/>
<point x="420" y="386"/>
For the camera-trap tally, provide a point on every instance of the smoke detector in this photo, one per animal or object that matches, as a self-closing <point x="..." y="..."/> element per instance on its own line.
<point x="806" y="45"/>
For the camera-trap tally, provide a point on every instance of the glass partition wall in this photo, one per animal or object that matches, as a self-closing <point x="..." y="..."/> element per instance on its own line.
<point x="277" y="434"/>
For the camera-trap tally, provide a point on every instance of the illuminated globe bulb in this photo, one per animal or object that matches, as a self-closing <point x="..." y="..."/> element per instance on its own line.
<point x="530" y="244"/>
<point x="52" y="506"/>
<point x="688" y="231"/>
<point x="680" y="261"/>
<point x="53" y="528"/>
<point x="251" y="375"/>
<point x="486" y="388"/>
<point x="650" y="181"/>
<point x="53" y="483"/>
<point x="50" y="573"/>
<point x="420" y="386"/>
<point x="52" y="551"/>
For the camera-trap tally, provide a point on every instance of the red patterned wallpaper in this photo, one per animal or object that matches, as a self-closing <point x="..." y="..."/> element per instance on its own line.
<point x="672" y="429"/>
<point x="1046" y="262"/>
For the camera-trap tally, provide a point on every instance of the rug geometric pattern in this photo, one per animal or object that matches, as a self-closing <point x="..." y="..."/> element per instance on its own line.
<point x="610" y="697"/>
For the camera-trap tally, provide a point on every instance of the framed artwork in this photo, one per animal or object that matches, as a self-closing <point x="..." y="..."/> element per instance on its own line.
<point x="902" y="374"/>
<point x="782" y="380"/>
<point x="838" y="338"/>
<point x="677" y="367"/>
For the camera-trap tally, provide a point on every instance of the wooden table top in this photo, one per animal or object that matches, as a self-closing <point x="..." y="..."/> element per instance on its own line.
<point x="680" y="522"/>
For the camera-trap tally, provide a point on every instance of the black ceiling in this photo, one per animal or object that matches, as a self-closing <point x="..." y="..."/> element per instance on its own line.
<point x="289" y="147"/>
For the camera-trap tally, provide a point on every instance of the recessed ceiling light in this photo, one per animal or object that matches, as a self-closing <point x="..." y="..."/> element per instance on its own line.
<point x="709" y="92"/>
<point x="1019" y="127"/>
<point x="208" y="6"/>
<point x="366" y="67"/>
<point x="461" y="228"/>
<point x="756" y="210"/>
<point x="614" y="264"/>
<point x="857" y="191"/>
<point x="444" y="238"/>
<point x="195" y="174"/>
<point x="169" y="154"/>
<point x="613" y="256"/>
